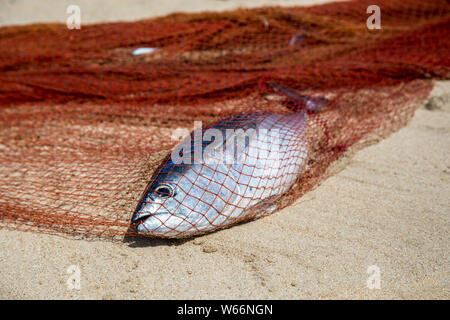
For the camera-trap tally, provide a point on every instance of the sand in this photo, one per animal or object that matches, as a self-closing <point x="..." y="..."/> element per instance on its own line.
<point x="387" y="210"/>
<point x="25" y="11"/>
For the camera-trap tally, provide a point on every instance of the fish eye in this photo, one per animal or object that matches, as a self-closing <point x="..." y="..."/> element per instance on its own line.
<point x="164" y="190"/>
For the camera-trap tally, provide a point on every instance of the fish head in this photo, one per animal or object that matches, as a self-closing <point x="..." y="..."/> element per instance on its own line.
<point x="183" y="199"/>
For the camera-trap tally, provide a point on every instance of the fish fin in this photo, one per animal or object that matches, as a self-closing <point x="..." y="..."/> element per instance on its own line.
<point x="300" y="101"/>
<point x="264" y="207"/>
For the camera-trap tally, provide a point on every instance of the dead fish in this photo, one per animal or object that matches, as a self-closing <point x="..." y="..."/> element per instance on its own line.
<point x="231" y="171"/>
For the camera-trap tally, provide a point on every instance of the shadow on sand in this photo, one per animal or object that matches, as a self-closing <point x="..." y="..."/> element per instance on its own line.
<point x="134" y="240"/>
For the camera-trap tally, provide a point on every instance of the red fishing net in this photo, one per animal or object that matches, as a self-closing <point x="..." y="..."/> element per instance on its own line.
<point x="85" y="122"/>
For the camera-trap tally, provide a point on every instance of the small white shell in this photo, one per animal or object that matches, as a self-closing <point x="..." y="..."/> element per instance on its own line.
<point x="140" y="51"/>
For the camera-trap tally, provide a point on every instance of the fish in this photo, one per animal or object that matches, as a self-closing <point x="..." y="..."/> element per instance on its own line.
<point x="234" y="170"/>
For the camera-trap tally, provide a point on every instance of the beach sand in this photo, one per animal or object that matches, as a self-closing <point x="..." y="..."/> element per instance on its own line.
<point x="386" y="213"/>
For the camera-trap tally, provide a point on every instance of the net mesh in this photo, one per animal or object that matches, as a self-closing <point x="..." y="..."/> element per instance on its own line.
<point x="87" y="127"/>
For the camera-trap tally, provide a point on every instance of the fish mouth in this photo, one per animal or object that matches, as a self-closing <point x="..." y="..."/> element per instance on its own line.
<point x="141" y="214"/>
<point x="161" y="224"/>
<point x="147" y="222"/>
<point x="138" y="219"/>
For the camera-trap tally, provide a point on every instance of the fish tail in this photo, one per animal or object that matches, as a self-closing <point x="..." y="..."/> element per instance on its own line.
<point x="298" y="102"/>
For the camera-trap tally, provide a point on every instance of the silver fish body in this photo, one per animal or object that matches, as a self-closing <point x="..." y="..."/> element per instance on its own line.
<point x="226" y="184"/>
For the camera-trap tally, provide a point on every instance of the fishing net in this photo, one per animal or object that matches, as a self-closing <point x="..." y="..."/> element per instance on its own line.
<point x="85" y="122"/>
